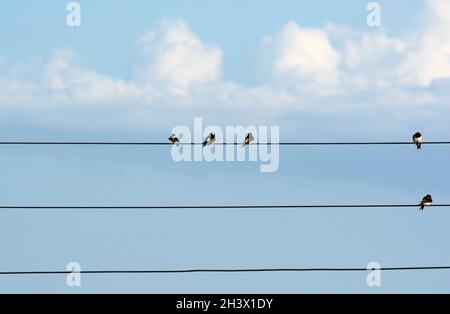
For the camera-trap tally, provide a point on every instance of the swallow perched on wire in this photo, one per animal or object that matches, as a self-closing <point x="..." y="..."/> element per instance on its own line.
<point x="426" y="201"/>
<point x="174" y="139"/>
<point x="417" y="139"/>
<point x="210" y="139"/>
<point x="248" y="139"/>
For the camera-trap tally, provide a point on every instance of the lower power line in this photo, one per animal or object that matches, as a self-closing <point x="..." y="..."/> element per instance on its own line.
<point x="243" y="270"/>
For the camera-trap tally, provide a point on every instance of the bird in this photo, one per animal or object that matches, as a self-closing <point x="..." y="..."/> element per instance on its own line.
<point x="174" y="139"/>
<point x="426" y="201"/>
<point x="248" y="139"/>
<point x="417" y="139"/>
<point x="210" y="139"/>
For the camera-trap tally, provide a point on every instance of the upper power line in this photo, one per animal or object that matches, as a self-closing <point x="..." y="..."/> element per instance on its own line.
<point x="218" y="143"/>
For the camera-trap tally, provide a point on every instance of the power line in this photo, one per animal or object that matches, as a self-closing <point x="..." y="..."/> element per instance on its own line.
<point x="169" y="207"/>
<point x="235" y="270"/>
<point x="224" y="144"/>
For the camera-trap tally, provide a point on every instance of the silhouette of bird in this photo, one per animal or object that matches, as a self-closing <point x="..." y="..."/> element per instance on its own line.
<point x="174" y="139"/>
<point x="417" y="139"/>
<point x="210" y="139"/>
<point x="248" y="139"/>
<point x="426" y="201"/>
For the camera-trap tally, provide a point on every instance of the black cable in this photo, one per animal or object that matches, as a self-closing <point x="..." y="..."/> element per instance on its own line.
<point x="224" y="144"/>
<point x="222" y="206"/>
<point x="243" y="270"/>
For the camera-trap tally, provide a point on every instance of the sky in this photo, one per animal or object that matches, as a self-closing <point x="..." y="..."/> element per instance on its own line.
<point x="134" y="71"/>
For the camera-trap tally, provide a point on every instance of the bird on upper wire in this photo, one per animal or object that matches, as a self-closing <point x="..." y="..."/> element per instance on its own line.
<point x="248" y="139"/>
<point x="210" y="139"/>
<point x="417" y="139"/>
<point x="426" y="201"/>
<point x="174" y="139"/>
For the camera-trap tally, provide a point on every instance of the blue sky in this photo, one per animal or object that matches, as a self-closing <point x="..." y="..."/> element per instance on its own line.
<point x="135" y="71"/>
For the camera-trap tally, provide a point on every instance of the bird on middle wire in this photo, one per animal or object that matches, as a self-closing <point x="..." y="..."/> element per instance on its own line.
<point x="210" y="139"/>
<point x="426" y="201"/>
<point x="417" y="139"/>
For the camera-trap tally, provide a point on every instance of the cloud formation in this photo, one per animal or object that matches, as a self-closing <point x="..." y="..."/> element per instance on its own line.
<point x="428" y="56"/>
<point x="339" y="56"/>
<point x="329" y="69"/>
<point x="173" y="54"/>
<point x="306" y="54"/>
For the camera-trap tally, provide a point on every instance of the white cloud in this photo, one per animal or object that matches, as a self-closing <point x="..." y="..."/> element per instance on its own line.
<point x="171" y="61"/>
<point x="63" y="78"/>
<point x="371" y="47"/>
<point x="344" y="58"/>
<point x="429" y="56"/>
<point x="306" y="54"/>
<point x="329" y="69"/>
<point x="369" y="59"/>
<point x="173" y="54"/>
<point x="58" y="81"/>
